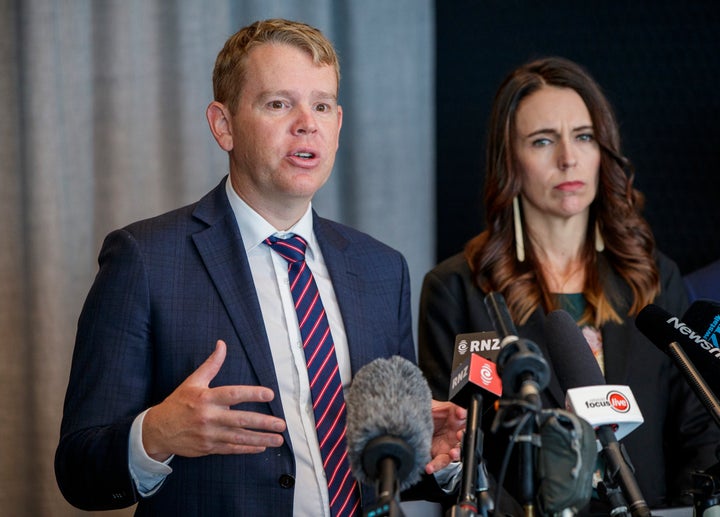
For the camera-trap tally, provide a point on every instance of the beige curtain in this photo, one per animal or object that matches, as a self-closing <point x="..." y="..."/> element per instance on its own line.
<point x="103" y="123"/>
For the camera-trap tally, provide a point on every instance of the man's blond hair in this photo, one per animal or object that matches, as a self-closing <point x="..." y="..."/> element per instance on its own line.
<point x="229" y="72"/>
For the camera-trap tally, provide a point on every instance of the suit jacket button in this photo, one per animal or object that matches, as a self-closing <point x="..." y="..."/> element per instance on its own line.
<point x="287" y="481"/>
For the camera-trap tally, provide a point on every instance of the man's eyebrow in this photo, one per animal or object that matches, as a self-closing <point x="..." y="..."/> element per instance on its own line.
<point x="319" y="94"/>
<point x="315" y="94"/>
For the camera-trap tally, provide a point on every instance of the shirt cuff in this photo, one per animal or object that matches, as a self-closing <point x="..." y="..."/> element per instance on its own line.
<point x="449" y="477"/>
<point x="147" y="473"/>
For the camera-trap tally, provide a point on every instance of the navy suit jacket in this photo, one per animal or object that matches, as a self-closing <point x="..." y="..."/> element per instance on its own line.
<point x="678" y="435"/>
<point x="167" y="289"/>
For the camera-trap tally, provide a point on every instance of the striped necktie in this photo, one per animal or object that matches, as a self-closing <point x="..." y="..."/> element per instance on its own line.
<point x="323" y="374"/>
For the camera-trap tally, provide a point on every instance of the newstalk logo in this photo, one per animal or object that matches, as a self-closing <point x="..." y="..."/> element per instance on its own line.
<point x="695" y="337"/>
<point x="713" y="332"/>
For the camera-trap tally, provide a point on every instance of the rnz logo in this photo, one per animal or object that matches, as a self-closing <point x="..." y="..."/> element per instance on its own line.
<point x="463" y="347"/>
<point x="486" y="374"/>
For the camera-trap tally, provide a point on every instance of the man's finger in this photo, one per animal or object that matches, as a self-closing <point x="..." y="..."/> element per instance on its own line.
<point x="231" y="395"/>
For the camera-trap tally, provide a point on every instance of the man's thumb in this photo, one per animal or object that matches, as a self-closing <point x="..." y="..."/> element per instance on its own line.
<point x="207" y="371"/>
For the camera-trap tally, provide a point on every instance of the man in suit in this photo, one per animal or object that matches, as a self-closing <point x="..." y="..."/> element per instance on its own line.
<point x="189" y="392"/>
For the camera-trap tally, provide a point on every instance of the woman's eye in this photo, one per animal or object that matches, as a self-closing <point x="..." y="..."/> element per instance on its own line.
<point x="586" y="137"/>
<point x="541" y="142"/>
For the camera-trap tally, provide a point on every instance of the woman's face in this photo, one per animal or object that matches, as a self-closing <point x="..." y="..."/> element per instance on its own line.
<point x="557" y="155"/>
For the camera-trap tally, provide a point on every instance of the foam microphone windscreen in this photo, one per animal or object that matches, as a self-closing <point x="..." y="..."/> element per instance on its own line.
<point x="390" y="398"/>
<point x="574" y="363"/>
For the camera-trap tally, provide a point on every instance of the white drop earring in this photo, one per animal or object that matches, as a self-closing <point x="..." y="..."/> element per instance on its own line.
<point x="519" y="242"/>
<point x="599" y="243"/>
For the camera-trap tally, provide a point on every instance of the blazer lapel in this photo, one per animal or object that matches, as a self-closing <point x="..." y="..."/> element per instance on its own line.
<point x="222" y="250"/>
<point x="345" y="271"/>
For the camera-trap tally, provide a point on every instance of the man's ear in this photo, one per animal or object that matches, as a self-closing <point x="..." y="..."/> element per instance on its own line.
<point x="218" y="117"/>
<point x="340" y="116"/>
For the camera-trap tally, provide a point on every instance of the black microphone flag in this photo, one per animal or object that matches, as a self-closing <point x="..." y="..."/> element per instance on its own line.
<point x="697" y="358"/>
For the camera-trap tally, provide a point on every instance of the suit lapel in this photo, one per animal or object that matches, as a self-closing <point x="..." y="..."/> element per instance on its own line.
<point x="223" y="253"/>
<point x="346" y="273"/>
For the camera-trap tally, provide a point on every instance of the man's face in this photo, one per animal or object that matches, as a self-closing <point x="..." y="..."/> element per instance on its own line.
<point x="285" y="130"/>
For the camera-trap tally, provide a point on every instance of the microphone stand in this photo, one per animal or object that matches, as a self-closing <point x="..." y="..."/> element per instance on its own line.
<point x="473" y="499"/>
<point x="619" y="470"/>
<point x="382" y="457"/>
<point x="525" y="373"/>
<point x="387" y="504"/>
<point x="611" y="492"/>
<point x="526" y="445"/>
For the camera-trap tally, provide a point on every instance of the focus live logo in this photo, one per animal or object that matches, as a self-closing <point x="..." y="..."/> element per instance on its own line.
<point x="615" y="400"/>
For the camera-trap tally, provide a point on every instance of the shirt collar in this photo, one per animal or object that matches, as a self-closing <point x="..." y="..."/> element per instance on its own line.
<point x="255" y="229"/>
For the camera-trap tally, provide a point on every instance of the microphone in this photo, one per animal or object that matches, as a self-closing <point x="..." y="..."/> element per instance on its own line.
<point x="576" y="368"/>
<point x="389" y="429"/>
<point x="522" y="367"/>
<point x="524" y="373"/>
<point x="474" y="367"/>
<point x="473" y="373"/>
<point x="696" y="357"/>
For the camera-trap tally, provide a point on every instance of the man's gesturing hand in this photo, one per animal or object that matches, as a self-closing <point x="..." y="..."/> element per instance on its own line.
<point x="196" y="420"/>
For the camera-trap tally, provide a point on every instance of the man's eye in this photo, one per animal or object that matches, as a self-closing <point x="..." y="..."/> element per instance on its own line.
<point x="276" y="105"/>
<point x="322" y="107"/>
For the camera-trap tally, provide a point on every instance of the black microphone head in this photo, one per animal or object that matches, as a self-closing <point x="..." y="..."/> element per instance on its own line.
<point x="570" y="354"/>
<point x="499" y="314"/>
<point x="697" y="342"/>
<point x="389" y="404"/>
<point x="652" y="322"/>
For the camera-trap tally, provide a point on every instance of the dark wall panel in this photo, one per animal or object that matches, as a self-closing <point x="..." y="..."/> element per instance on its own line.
<point x="658" y="62"/>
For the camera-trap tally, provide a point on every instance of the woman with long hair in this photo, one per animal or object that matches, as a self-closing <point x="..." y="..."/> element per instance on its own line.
<point x="564" y="230"/>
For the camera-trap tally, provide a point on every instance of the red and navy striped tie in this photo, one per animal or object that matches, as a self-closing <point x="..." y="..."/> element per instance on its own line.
<point x="323" y="374"/>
